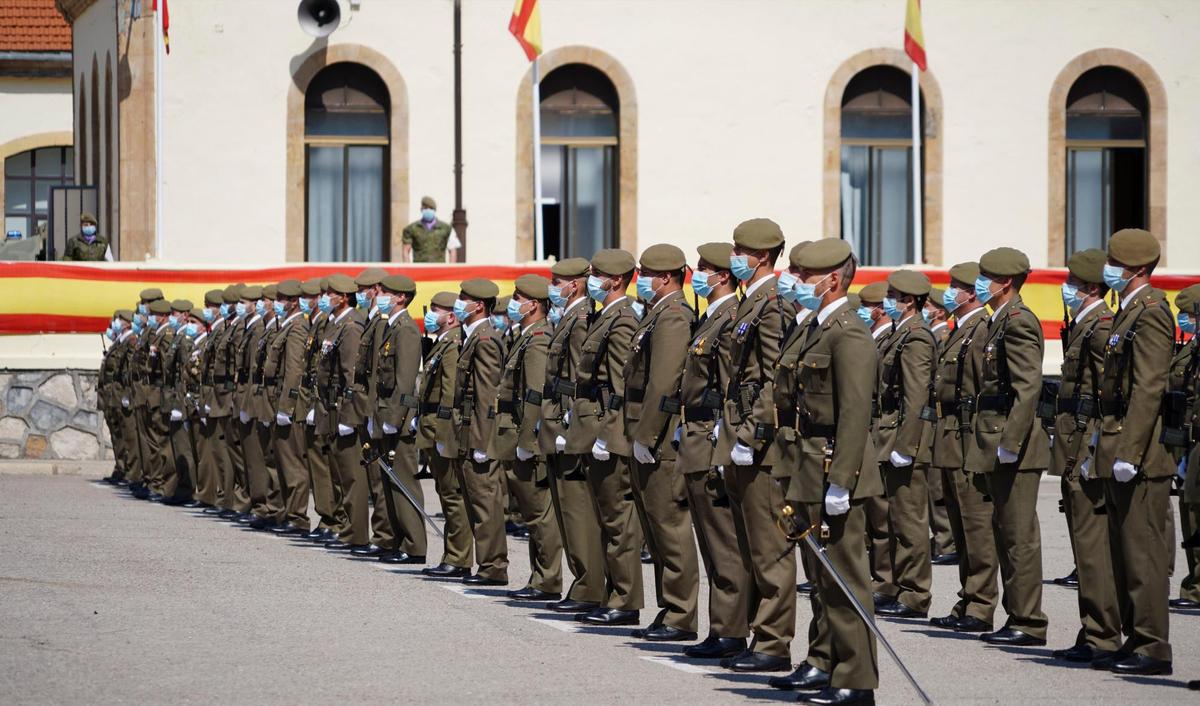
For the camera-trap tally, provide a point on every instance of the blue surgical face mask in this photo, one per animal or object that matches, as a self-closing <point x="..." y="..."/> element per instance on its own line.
<point x="209" y="315"/>
<point x="431" y="322"/>
<point x="891" y="309"/>
<point x="280" y="309"/>
<point x="950" y="299"/>
<point x="224" y="311"/>
<point x="595" y="287"/>
<point x="152" y="320"/>
<point x="556" y="297"/>
<point x="460" y="310"/>
<point x="555" y="315"/>
<point x="240" y="309"/>
<point x="806" y="294"/>
<point x="427" y="214"/>
<point x="787" y="286"/>
<point x="192" y="329"/>
<point x="1114" y="279"/>
<point x="639" y="309"/>
<point x="362" y="300"/>
<point x="499" y="322"/>
<point x="983" y="289"/>
<point x="700" y="284"/>
<point x="108" y="333"/>
<point x="174" y="322"/>
<point x="740" y="264"/>
<point x="143" y="309"/>
<point x="260" y="307"/>
<point x="384" y="303"/>
<point x="864" y="313"/>
<point x="325" y="304"/>
<point x="514" y="311"/>
<point x="927" y="316"/>
<point x="645" y="288"/>
<point x="1070" y="296"/>
<point x="88" y="230"/>
<point x="1186" y="323"/>
<point x="305" y="305"/>
<point x="137" y="327"/>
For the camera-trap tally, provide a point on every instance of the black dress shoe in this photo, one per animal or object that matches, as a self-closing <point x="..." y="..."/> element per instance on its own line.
<point x="213" y="510"/>
<point x="155" y="498"/>
<point x="805" y="587"/>
<point x="288" y="531"/>
<point x="881" y="599"/>
<point x="477" y="580"/>
<point x="1141" y="665"/>
<point x="1013" y="637"/>
<point x="371" y="550"/>
<point x="1194" y="685"/>
<point x="946" y="622"/>
<point x="1075" y="653"/>
<point x="245" y="518"/>
<point x="175" y="502"/>
<point x="337" y="545"/>
<point x="1104" y="661"/>
<point x="446" y="571"/>
<point x="609" y="616"/>
<point x="315" y="535"/>
<point x="896" y="609"/>
<point x="806" y="676"/>
<point x="757" y="662"/>
<point x="261" y="523"/>
<point x="511" y="527"/>
<point x="393" y="558"/>
<point x="665" y="633"/>
<point x="714" y="647"/>
<point x="944" y="559"/>
<point x="567" y="605"/>
<point x="839" y="697"/>
<point x="970" y="623"/>
<point x="1071" y="580"/>
<point x="529" y="593"/>
<point x="1184" y="603"/>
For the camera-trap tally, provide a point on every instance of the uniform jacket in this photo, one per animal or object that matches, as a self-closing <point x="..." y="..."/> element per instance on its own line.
<point x="562" y="363"/>
<point x="653" y="373"/>
<point x="288" y="362"/>
<point x="600" y="383"/>
<point x="480" y="363"/>
<point x="1083" y="361"/>
<point x="701" y="394"/>
<point x="518" y="405"/>
<point x="312" y="356"/>
<point x="905" y="374"/>
<point x="955" y="382"/>
<point x="335" y="372"/>
<point x="749" y="412"/>
<point x="397" y="365"/>
<point x="438" y="376"/>
<point x="365" y="395"/>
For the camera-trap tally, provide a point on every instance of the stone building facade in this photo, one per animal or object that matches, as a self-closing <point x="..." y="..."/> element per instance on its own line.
<point x="51" y="415"/>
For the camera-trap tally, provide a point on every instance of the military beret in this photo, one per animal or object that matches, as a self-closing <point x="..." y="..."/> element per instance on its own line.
<point x="935" y="297"/>
<point x="1188" y="298"/>
<point x="324" y="284"/>
<point x="149" y="295"/>
<point x="1004" y="261"/>
<point x="160" y="306"/>
<point x="480" y="288"/>
<point x="909" y="282"/>
<point x="1134" y="247"/>
<point x="533" y="286"/>
<point x="125" y="315"/>
<point x="716" y="254"/>
<point x="181" y="305"/>
<point x="370" y="276"/>
<point x="758" y="233"/>
<point x="444" y="300"/>
<point x="289" y="288"/>
<point x="794" y="253"/>
<point x="340" y="283"/>
<point x="213" y="297"/>
<point x="854" y="300"/>
<point x="250" y="291"/>
<point x="1088" y="265"/>
<point x="613" y="262"/>
<point x="231" y="294"/>
<point x="965" y="272"/>
<point x="428" y="202"/>
<point x="400" y="284"/>
<point x="501" y="306"/>
<point x="87" y="218"/>
<point x="663" y="257"/>
<point x="270" y="291"/>
<point x="873" y="293"/>
<point x="825" y="254"/>
<point x="197" y="312"/>
<point x="571" y="267"/>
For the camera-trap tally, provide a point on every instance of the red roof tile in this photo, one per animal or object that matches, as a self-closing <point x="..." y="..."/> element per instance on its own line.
<point x="33" y="25"/>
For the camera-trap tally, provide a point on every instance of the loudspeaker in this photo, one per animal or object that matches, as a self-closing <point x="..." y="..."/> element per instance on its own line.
<point x="319" y="17"/>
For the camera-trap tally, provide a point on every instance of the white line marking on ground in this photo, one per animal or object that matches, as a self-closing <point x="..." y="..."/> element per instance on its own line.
<point x="463" y="591"/>
<point x="563" y="625"/>
<point x="675" y="663"/>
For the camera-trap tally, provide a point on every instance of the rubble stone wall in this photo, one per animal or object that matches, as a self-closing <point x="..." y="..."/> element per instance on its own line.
<point x="51" y="414"/>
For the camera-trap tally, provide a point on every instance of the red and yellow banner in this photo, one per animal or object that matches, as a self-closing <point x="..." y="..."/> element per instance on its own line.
<point x="38" y="297"/>
<point x="914" y="35"/>
<point x="526" y="26"/>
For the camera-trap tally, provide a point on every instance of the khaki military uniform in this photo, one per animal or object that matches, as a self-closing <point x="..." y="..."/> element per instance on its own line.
<point x="255" y="438"/>
<point x="428" y="244"/>
<point x="110" y="390"/>
<point x="879" y="529"/>
<point x="1008" y="379"/>
<point x="1185" y="383"/>
<point x="517" y="412"/>
<point x="177" y="406"/>
<point x="574" y="509"/>
<point x="939" y="519"/>
<point x="157" y="441"/>
<point x="79" y="249"/>
<point x="227" y="371"/>
<point x="757" y="491"/>
<point x="1137" y="354"/>
<point x="434" y="428"/>
<point x="211" y="453"/>
<point x="326" y="492"/>
<point x="283" y="376"/>
<point x="968" y="504"/>
<point x="383" y="533"/>
<point x="701" y="397"/>
<point x="338" y="421"/>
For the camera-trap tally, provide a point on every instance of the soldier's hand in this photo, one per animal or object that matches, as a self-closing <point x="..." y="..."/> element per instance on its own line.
<point x="479" y="456"/>
<point x="1085" y="468"/>
<point x="899" y="460"/>
<point x="560" y="444"/>
<point x="837" y="500"/>
<point x="524" y="455"/>
<point x="741" y="454"/>
<point x="283" y="419"/>
<point x="176" y="415"/>
<point x="1123" y="471"/>
<point x="600" y="450"/>
<point x="1005" y="456"/>
<point x="1182" y="470"/>
<point x="344" y="430"/>
<point x="312" y="417"/>
<point x="642" y="453"/>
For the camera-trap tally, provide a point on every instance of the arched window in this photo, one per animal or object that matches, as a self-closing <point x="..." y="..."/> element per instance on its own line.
<point x="1106" y="161"/>
<point x="28" y="177"/>
<point x="346" y="139"/>
<point x="876" y="171"/>
<point x="579" y="162"/>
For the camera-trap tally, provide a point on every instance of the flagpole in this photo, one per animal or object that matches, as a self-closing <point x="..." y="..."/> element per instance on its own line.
<point x="538" y="240"/>
<point x="918" y="235"/>
<point x="158" y="131"/>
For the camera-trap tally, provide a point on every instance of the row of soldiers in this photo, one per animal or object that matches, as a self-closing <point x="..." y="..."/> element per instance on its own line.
<point x="614" y="423"/>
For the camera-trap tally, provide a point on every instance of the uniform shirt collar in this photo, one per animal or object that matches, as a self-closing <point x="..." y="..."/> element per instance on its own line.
<point x="759" y="284"/>
<point x="250" y="322"/>
<point x="573" y="304"/>
<point x="201" y="337"/>
<point x="829" y="308"/>
<point x="395" y="314"/>
<point x="612" y="304"/>
<point x="719" y="300"/>
<point x="939" y="326"/>
<point x="343" y="315"/>
<point x="965" y="317"/>
<point x="997" y="312"/>
<point x="288" y="320"/>
<point x="469" y="329"/>
<point x="1084" y="311"/>
<point x="1129" y="297"/>
<point x="125" y="334"/>
<point x="881" y="332"/>
<point x="802" y="315"/>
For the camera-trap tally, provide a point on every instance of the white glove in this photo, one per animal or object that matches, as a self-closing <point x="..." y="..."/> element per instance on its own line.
<point x="1085" y="468"/>
<point x="741" y="454"/>
<point x="388" y="428"/>
<point x="243" y="417"/>
<point x="1005" y="455"/>
<point x="899" y="460"/>
<point x="642" y="453"/>
<point x="412" y="424"/>
<point x="560" y="444"/>
<point x="207" y="410"/>
<point x="283" y="419"/>
<point x="344" y="430"/>
<point x="721" y="471"/>
<point x="370" y="426"/>
<point x="524" y="455"/>
<point x="716" y="430"/>
<point x="837" y="500"/>
<point x="125" y="402"/>
<point x="311" y="417"/>
<point x="678" y="433"/>
<point x="567" y="418"/>
<point x="264" y="422"/>
<point x="441" y="448"/>
<point x="1182" y="470"/>
<point x="600" y="450"/>
<point x="479" y="456"/>
<point x="204" y="421"/>
<point x="1123" y="472"/>
<point x="176" y="415"/>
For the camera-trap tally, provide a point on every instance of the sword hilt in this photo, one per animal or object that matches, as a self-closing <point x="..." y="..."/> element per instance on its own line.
<point x="793" y="528"/>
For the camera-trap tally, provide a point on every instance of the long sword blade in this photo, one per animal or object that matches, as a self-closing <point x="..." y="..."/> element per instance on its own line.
<point x="407" y="494"/>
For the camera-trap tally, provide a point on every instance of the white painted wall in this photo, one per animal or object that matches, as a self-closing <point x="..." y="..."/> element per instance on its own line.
<point x="34" y="105"/>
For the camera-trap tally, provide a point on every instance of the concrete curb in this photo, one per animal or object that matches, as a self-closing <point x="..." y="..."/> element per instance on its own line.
<point x="86" y="469"/>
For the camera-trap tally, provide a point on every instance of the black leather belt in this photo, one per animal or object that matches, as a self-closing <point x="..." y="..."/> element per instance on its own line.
<point x="993" y="403"/>
<point x="635" y="395"/>
<point x="699" y="414"/>
<point x="506" y="407"/>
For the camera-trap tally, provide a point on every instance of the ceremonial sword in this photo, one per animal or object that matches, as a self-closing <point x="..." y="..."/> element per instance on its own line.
<point x="387" y="469"/>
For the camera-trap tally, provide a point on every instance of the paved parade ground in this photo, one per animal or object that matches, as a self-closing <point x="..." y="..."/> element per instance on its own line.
<point x="104" y="599"/>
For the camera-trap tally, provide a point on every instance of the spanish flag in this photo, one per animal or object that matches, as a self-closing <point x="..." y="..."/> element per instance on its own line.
<point x="914" y="38"/>
<point x="166" y="24"/>
<point x="526" y="26"/>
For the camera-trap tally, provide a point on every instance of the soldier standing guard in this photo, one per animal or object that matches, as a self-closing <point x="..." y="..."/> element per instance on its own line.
<point x="1185" y="384"/>
<point x="879" y="533"/>
<point x="283" y="377"/>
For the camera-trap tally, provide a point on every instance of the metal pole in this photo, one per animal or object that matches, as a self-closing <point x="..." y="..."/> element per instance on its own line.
<point x="918" y="235"/>
<point x="158" y="131"/>
<point x="538" y="239"/>
<point x="458" y="220"/>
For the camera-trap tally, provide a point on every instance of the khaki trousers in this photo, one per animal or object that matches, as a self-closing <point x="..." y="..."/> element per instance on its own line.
<point x="757" y="499"/>
<point x="209" y="453"/>
<point x="320" y="479"/>
<point x="532" y="497"/>
<point x="1019" y="547"/>
<point x="291" y="467"/>
<point x="727" y="568"/>
<point x="236" y="496"/>
<point x="1137" y="515"/>
<point x="154" y="445"/>
<point x="383" y="531"/>
<point x="255" y="441"/>
<point x="658" y="490"/>
<point x="179" y="473"/>
<point x="406" y="524"/>
<point x="578" y="527"/>
<point x="486" y="510"/>
<point x="879" y="534"/>
<point x="1189" y="522"/>
<point x="1099" y="611"/>
<point x="132" y="444"/>
<point x="970" y="511"/>
<point x="855" y="663"/>
<point x="346" y="458"/>
<point x="939" y="519"/>
<point x="620" y="530"/>
<point x="457" y="547"/>
<point x="908" y="514"/>
<point x="820" y="639"/>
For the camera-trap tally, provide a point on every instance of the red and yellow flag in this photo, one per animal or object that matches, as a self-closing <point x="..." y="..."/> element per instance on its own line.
<point x="914" y="38"/>
<point x="166" y="24"/>
<point x="526" y="26"/>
